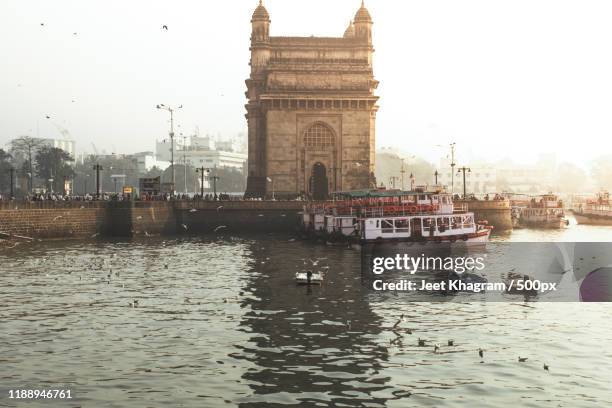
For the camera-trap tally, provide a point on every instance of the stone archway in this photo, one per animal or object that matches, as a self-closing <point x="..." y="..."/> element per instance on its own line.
<point x="319" y="182"/>
<point x="319" y="159"/>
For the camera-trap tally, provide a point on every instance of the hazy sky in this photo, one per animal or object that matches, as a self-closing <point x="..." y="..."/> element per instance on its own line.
<point x="501" y="78"/>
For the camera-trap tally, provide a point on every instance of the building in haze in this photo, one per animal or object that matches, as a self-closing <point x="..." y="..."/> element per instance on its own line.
<point x="311" y="110"/>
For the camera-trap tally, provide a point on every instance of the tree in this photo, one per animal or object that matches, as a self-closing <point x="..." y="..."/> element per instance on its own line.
<point x="389" y="164"/>
<point x="179" y="170"/>
<point x="27" y="147"/>
<point x="53" y="164"/>
<point x="5" y="171"/>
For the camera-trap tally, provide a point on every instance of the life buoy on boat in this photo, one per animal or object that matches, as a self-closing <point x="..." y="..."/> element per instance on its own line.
<point x="465" y="237"/>
<point x="453" y="238"/>
<point x="412" y="209"/>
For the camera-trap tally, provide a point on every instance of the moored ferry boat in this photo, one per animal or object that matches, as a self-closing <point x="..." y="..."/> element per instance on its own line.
<point x="394" y="215"/>
<point x="595" y="212"/>
<point x="543" y="212"/>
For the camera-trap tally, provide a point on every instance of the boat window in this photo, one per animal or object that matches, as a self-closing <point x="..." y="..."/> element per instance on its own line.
<point x="387" y="226"/>
<point x="456" y="222"/>
<point x="401" y="225"/>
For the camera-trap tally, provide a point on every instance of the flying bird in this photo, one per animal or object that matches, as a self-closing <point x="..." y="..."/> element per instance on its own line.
<point x="220" y="227"/>
<point x="193" y="210"/>
<point x="184" y="226"/>
<point x="219" y="207"/>
<point x="165" y="27"/>
<point x="47" y="116"/>
<point x="401" y="319"/>
<point x="58" y="217"/>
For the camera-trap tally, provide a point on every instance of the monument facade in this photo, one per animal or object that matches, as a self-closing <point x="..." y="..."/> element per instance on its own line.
<point x="311" y="111"/>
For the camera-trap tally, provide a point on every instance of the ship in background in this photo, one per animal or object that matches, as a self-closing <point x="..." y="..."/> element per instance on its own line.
<point x="596" y="211"/>
<point x="545" y="211"/>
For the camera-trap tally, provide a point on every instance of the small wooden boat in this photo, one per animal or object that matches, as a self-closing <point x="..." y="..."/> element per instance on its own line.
<point x="309" y="278"/>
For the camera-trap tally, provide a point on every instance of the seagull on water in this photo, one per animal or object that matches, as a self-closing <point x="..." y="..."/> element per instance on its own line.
<point x="451" y="342"/>
<point x="401" y="319"/>
<point x="436" y="348"/>
<point x="193" y="210"/>
<point x="421" y="342"/>
<point x="481" y="352"/>
<point x="545" y="366"/>
<point x="522" y="359"/>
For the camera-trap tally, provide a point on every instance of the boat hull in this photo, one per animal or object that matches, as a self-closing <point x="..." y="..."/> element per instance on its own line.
<point x="477" y="238"/>
<point x="548" y="224"/>
<point x="590" y="219"/>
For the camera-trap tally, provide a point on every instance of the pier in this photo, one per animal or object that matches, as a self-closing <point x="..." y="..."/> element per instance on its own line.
<point x="83" y="219"/>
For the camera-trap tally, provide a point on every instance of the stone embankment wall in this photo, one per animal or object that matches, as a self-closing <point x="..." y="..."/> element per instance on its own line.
<point x="497" y="212"/>
<point x="76" y="219"/>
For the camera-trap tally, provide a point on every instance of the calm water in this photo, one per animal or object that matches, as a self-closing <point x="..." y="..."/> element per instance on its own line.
<point x="220" y="321"/>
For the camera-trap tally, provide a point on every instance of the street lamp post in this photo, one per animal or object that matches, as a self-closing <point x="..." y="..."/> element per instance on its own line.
<point x="12" y="173"/>
<point x="402" y="172"/>
<point x="453" y="164"/>
<point x="463" y="170"/>
<point x="97" y="168"/>
<point x="436" y="174"/>
<point x="214" y="178"/>
<point x="171" y="133"/>
<point x="201" y="171"/>
<point x="185" y="161"/>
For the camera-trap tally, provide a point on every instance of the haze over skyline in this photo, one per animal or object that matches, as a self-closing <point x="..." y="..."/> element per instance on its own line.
<point x="500" y="78"/>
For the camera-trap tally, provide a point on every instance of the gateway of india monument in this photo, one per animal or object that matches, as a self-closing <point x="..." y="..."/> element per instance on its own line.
<point x="311" y="111"/>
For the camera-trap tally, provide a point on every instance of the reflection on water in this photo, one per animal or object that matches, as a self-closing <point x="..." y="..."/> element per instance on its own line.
<point x="220" y="321"/>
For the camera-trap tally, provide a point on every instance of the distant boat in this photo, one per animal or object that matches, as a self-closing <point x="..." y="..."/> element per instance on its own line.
<point x="302" y="278"/>
<point x="595" y="212"/>
<point x="547" y="212"/>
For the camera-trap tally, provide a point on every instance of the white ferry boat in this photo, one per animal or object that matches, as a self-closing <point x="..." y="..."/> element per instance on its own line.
<point x="393" y="215"/>
<point x="595" y="212"/>
<point x="545" y="211"/>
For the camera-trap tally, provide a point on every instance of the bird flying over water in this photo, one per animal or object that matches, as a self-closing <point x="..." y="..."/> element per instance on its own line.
<point x="219" y="227"/>
<point x="185" y="227"/>
<point x="165" y="27"/>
